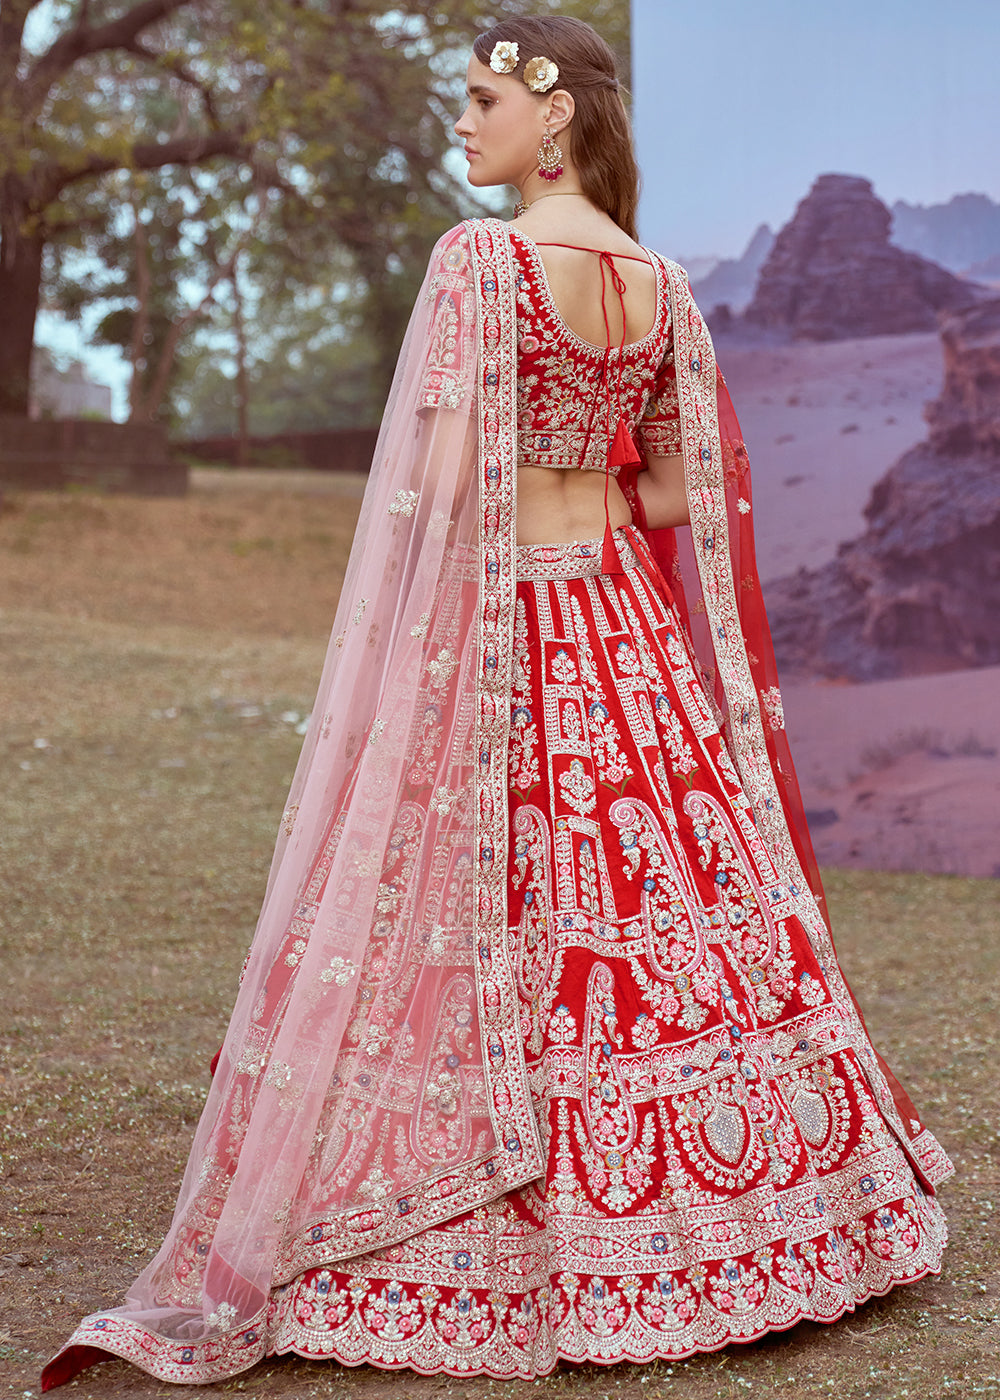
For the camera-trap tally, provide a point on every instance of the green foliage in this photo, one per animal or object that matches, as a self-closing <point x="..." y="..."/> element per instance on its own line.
<point x="302" y="132"/>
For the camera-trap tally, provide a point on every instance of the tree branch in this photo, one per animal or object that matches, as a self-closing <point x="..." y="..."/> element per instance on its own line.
<point x="81" y="40"/>
<point x="180" y="71"/>
<point x="145" y="406"/>
<point x="13" y="17"/>
<point x="140" y="325"/>
<point x="153" y="155"/>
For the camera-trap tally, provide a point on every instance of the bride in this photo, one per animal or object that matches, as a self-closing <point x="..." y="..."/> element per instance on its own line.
<point x="542" y="1049"/>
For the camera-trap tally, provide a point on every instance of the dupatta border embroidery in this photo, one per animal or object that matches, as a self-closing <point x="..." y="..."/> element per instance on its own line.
<point x="694" y="357"/>
<point x="521" y="1157"/>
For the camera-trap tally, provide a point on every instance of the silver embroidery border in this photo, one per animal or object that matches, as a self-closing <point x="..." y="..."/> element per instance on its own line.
<point x="521" y="1158"/>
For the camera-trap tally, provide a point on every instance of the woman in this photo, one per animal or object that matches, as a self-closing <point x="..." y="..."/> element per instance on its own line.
<point x="542" y="1049"/>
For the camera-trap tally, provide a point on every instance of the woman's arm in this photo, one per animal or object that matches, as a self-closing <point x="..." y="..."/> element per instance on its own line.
<point x="662" y="492"/>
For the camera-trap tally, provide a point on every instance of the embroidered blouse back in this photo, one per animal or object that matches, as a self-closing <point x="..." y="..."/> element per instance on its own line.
<point x="573" y="397"/>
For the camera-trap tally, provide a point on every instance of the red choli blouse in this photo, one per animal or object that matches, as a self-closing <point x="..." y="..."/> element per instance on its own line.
<point x="568" y="404"/>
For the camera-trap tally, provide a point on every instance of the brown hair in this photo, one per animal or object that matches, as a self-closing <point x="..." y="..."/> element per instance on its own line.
<point x="601" y="135"/>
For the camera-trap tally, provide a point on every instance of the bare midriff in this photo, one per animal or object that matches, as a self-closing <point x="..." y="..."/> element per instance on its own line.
<point x="559" y="506"/>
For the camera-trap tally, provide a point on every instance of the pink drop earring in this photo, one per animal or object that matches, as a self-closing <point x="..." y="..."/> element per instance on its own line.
<point x="550" y="158"/>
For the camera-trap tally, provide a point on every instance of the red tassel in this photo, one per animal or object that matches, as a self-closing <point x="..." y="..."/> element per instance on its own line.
<point x="610" y="562"/>
<point x="623" y="450"/>
<point x="621" y="454"/>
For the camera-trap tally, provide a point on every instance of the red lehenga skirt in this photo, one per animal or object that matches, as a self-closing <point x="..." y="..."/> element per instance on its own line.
<point x="716" y="1165"/>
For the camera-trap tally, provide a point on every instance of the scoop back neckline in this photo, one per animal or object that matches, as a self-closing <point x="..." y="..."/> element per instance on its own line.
<point x="561" y="320"/>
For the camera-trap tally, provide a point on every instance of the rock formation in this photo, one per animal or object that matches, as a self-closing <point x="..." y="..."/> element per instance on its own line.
<point x="731" y="281"/>
<point x="919" y="591"/>
<point x="833" y="274"/>
<point x="960" y="235"/>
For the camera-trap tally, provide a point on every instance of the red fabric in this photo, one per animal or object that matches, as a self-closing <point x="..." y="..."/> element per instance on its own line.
<point x="755" y="1183"/>
<point x="562" y="422"/>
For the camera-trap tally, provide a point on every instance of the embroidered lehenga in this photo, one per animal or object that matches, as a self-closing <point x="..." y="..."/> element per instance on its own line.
<point x="542" y="1049"/>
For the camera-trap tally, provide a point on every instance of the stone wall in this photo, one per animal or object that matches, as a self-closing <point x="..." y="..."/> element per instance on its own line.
<point x="125" y="457"/>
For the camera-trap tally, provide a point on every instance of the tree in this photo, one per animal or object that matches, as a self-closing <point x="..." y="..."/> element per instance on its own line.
<point x="156" y="267"/>
<point x="51" y="138"/>
<point x="342" y="106"/>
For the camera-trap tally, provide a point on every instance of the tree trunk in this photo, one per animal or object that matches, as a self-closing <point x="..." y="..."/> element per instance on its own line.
<point x="242" y="378"/>
<point x="20" y="289"/>
<point x="386" y="318"/>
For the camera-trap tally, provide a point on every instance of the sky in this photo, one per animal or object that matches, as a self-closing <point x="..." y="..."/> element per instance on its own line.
<point x="740" y="104"/>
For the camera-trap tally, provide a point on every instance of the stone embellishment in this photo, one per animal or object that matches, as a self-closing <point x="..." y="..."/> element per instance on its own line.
<point x="504" y="57"/>
<point x="726" y="1132"/>
<point x="540" y="74"/>
<point x="404" y="503"/>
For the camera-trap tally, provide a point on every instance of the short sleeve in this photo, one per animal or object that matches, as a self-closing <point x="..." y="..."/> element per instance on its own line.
<point x="660" y="426"/>
<point x="445" y="379"/>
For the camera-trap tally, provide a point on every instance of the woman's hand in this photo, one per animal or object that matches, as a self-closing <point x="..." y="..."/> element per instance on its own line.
<point x="661" y="490"/>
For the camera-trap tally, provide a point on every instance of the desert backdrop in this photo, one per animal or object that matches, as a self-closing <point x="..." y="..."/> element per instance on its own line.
<point x="867" y="379"/>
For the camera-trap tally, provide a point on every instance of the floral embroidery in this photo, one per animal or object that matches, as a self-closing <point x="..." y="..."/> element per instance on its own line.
<point x="443" y="667"/>
<point x="404" y="503"/>
<point x="556" y="371"/>
<point x="340" y="971"/>
<point x="772" y="704"/>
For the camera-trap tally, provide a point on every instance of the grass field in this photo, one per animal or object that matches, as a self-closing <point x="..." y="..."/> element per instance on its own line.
<point x="157" y="659"/>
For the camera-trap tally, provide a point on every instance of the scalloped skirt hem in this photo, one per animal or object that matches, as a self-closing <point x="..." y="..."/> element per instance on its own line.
<point x="625" y="1357"/>
<point x="433" y="1330"/>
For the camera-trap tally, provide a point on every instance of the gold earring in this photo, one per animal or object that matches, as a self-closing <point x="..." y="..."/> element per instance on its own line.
<point x="550" y="158"/>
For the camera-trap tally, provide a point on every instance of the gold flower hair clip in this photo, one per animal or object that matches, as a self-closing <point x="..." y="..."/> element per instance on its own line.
<point x="504" y="57"/>
<point x="540" y="74"/>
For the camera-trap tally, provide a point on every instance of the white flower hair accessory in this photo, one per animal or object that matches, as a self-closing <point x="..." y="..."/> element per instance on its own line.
<point x="504" y="57"/>
<point x="540" y="74"/>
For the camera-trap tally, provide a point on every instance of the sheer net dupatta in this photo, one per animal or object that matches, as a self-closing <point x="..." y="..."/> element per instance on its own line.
<point x="352" y="1106"/>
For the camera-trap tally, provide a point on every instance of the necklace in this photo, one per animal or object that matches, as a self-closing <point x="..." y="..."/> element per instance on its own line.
<point x="522" y="206"/>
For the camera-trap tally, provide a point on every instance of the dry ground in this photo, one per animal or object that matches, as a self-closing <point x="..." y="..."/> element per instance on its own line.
<point x="156" y="656"/>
